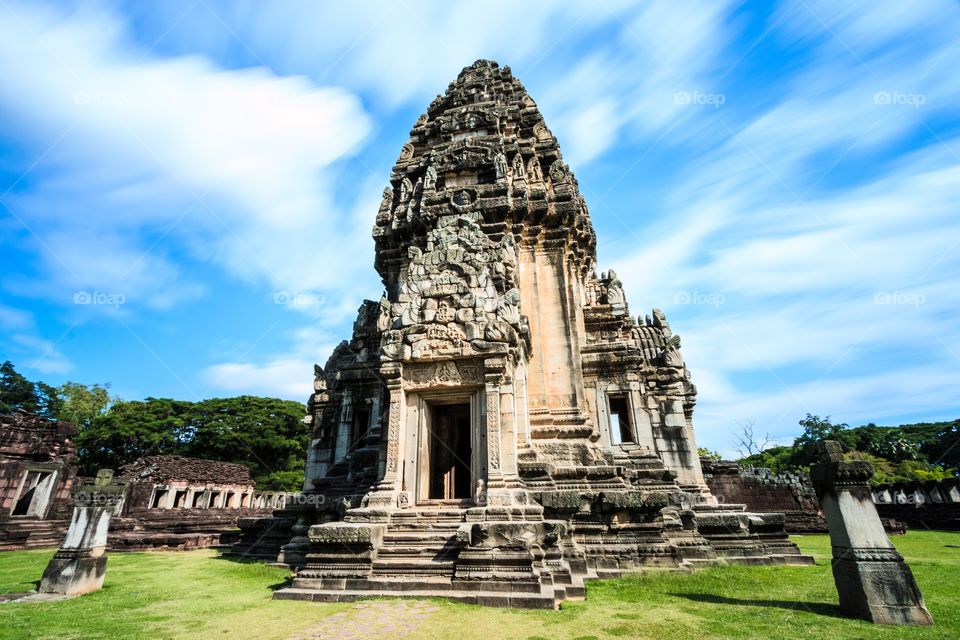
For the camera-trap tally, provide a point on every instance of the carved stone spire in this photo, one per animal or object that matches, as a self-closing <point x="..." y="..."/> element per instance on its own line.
<point x="459" y="150"/>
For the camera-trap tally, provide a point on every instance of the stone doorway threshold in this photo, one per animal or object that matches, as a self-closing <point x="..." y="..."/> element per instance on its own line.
<point x="446" y="504"/>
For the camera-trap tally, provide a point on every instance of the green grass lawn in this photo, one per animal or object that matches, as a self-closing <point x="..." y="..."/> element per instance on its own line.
<point x="196" y="594"/>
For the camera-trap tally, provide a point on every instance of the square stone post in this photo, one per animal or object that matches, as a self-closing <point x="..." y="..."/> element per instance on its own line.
<point x="80" y="565"/>
<point x="873" y="581"/>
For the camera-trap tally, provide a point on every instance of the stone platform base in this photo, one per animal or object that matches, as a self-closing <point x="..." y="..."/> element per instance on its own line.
<point x="469" y="556"/>
<point x="491" y="594"/>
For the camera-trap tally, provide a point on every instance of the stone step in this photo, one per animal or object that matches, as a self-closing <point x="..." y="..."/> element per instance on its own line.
<point x="419" y="534"/>
<point x="417" y="549"/>
<point x="413" y="567"/>
<point x="489" y="598"/>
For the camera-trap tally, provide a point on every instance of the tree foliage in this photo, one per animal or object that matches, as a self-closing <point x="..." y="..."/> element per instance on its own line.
<point x="923" y="451"/>
<point x="16" y="392"/>
<point x="709" y="454"/>
<point x="82" y="403"/>
<point x="265" y="434"/>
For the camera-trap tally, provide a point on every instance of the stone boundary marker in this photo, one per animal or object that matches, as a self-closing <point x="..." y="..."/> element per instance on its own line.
<point x="873" y="581"/>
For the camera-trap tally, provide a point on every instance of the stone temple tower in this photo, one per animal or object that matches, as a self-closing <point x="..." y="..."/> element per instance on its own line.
<point x="499" y="427"/>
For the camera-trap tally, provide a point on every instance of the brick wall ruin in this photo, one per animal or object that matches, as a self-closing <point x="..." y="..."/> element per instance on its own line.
<point x="170" y="502"/>
<point x="762" y="490"/>
<point x="182" y="503"/>
<point x="37" y="473"/>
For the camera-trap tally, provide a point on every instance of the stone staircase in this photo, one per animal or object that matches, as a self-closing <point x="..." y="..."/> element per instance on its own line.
<point x="32" y="534"/>
<point x="418" y="551"/>
<point x="420" y="556"/>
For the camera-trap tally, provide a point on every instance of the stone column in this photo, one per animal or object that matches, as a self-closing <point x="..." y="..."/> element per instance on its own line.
<point x="80" y="564"/>
<point x="873" y="581"/>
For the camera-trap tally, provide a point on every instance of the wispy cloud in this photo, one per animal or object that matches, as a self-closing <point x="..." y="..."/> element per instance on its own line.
<point x="809" y="258"/>
<point x="147" y="157"/>
<point x="781" y="179"/>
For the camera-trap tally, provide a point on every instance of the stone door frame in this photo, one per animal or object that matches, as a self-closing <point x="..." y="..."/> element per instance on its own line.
<point x="419" y="423"/>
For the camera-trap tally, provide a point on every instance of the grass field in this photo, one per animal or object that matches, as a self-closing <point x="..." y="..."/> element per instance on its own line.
<point x="197" y="595"/>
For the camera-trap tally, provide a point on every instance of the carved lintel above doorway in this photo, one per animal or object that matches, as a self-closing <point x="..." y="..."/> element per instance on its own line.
<point x="446" y="373"/>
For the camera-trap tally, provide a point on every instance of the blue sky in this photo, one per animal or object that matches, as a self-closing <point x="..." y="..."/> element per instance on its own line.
<point x="188" y="187"/>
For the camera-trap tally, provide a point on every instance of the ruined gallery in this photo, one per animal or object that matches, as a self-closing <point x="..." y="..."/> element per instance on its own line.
<point x="499" y="427"/>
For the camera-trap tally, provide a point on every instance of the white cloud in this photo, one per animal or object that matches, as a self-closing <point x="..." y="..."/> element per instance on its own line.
<point x="284" y="378"/>
<point x="824" y="255"/>
<point x="158" y="155"/>
<point x="401" y="52"/>
<point x="286" y="375"/>
<point x="40" y="355"/>
<point x="32" y="352"/>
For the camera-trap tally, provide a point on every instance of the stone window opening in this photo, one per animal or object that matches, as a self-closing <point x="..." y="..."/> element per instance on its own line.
<point x="214" y="499"/>
<point x="159" y="496"/>
<point x="198" y="499"/>
<point x="621" y="424"/>
<point x="34" y="494"/>
<point x="180" y="499"/>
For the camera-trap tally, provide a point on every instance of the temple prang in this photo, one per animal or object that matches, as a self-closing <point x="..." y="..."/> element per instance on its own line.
<point x="499" y="427"/>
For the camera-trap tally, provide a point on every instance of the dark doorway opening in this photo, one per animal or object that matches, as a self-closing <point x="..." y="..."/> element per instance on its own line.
<point x="450" y="452"/>
<point x="361" y="423"/>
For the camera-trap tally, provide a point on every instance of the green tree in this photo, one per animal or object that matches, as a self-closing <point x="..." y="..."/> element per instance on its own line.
<point x="709" y="454"/>
<point x="130" y="430"/>
<point x="49" y="402"/>
<point x="777" y="459"/>
<point x="266" y="434"/>
<point x="82" y="403"/>
<point x="816" y="429"/>
<point x="939" y="442"/>
<point x="16" y="392"/>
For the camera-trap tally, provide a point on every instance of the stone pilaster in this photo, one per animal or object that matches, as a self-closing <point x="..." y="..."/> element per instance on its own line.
<point x="387" y="491"/>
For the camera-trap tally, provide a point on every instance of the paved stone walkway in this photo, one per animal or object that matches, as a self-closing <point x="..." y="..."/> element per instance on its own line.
<point x="371" y="620"/>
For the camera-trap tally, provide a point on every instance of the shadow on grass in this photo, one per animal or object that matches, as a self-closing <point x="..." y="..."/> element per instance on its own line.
<point x="27" y="586"/>
<point x="241" y="559"/>
<point x="818" y="608"/>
